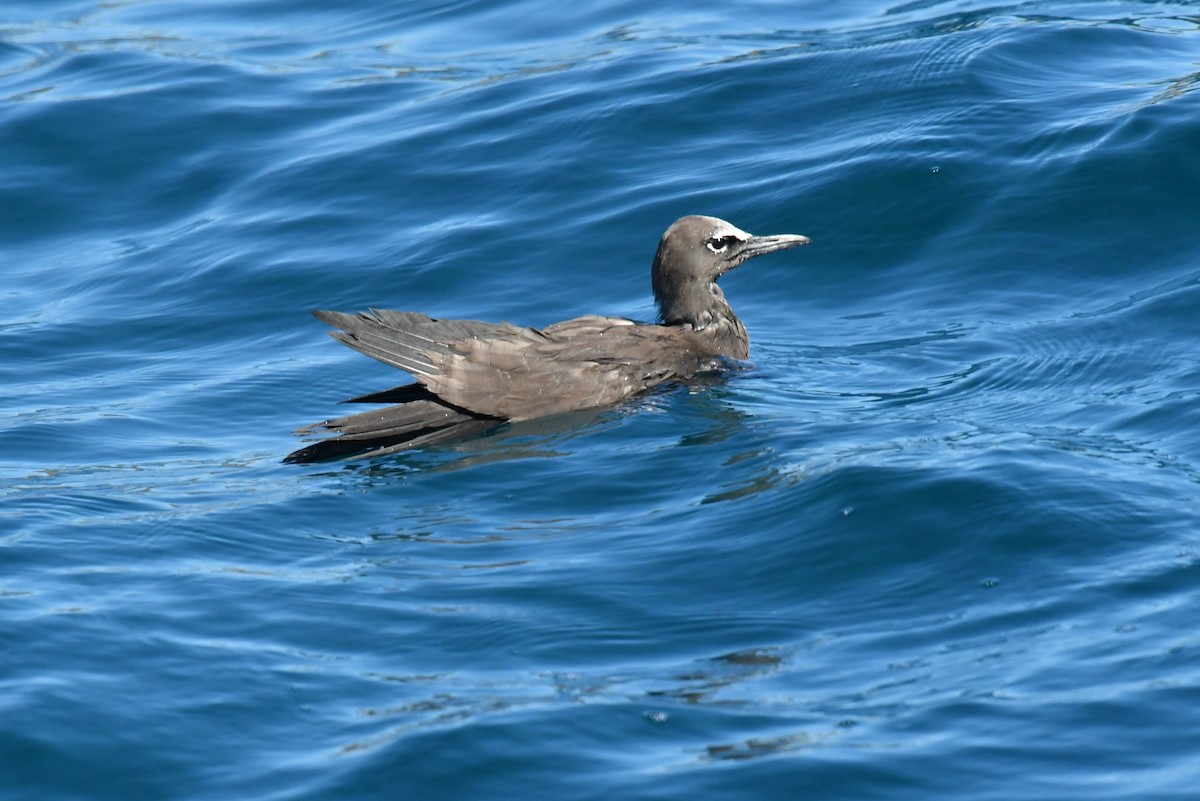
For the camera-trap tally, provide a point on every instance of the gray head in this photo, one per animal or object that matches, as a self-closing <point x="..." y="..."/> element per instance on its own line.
<point x="693" y="253"/>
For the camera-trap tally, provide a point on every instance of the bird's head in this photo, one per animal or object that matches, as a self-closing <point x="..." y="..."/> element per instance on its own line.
<point x="693" y="253"/>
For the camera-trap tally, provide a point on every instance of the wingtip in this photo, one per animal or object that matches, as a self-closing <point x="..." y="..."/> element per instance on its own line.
<point x="336" y="319"/>
<point x="324" y="315"/>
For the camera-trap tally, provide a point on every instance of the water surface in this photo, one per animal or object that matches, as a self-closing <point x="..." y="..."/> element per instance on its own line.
<point x="938" y="540"/>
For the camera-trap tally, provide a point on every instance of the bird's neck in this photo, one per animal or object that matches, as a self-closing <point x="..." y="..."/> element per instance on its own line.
<point x="714" y="325"/>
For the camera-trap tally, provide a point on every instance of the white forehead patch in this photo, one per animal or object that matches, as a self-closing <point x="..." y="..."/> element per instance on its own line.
<point x="723" y="228"/>
<point x="722" y="235"/>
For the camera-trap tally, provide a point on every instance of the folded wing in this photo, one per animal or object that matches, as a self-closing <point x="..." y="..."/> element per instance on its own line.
<point x="473" y="376"/>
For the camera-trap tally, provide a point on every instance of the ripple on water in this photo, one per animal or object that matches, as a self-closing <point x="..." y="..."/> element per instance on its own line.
<point x="938" y="535"/>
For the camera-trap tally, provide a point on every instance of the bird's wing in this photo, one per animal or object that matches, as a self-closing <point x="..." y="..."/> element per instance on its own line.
<point x="514" y="373"/>
<point x="524" y="373"/>
<point x="408" y="340"/>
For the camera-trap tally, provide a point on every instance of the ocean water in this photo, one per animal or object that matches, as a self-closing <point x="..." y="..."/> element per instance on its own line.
<point x="939" y="539"/>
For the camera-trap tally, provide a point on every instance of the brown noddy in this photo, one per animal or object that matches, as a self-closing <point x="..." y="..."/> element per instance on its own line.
<point x="472" y="376"/>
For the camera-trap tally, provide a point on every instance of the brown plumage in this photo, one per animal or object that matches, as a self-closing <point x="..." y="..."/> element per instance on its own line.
<point x="473" y="376"/>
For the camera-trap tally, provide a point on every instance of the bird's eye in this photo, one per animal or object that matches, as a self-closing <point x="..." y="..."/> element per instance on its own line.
<point x="718" y="244"/>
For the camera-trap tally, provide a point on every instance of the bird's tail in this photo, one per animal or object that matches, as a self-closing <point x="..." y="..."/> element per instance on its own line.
<point x="419" y="419"/>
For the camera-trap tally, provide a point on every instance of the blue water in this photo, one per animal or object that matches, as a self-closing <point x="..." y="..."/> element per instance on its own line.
<point x="940" y="540"/>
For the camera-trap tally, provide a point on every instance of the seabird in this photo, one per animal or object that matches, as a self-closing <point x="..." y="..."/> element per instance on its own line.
<point x="473" y="376"/>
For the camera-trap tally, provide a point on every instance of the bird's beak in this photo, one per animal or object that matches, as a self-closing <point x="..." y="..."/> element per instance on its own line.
<point x="758" y="245"/>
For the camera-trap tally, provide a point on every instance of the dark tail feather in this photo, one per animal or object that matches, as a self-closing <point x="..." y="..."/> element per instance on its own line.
<point x="415" y="424"/>
<point x="364" y="448"/>
<point x="336" y="448"/>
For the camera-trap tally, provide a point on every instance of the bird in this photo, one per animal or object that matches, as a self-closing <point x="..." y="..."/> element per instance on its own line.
<point x="473" y="376"/>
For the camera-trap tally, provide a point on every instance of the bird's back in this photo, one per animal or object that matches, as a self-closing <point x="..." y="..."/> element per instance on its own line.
<point x="577" y="364"/>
